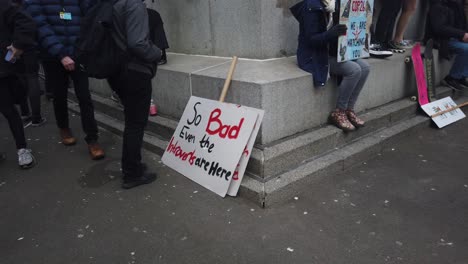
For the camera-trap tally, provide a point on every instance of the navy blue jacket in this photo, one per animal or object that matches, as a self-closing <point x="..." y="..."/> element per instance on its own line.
<point x="312" y="51"/>
<point x="57" y="37"/>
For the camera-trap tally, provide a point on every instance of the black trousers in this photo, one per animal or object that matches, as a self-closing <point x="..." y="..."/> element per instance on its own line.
<point x="134" y="90"/>
<point x="386" y="20"/>
<point x="31" y="80"/>
<point x="58" y="79"/>
<point x="8" y="109"/>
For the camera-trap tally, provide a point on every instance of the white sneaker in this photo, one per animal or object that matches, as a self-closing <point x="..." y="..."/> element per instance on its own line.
<point x="25" y="159"/>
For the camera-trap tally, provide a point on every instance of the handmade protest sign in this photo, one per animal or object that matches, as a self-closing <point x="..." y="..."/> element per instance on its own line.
<point x="242" y="166"/>
<point x="357" y="15"/>
<point x="440" y="106"/>
<point x="209" y="142"/>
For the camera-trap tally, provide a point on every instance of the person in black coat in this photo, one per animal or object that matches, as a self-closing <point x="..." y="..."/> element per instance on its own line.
<point x="17" y="31"/>
<point x="447" y="27"/>
<point x="157" y="33"/>
<point x="30" y="79"/>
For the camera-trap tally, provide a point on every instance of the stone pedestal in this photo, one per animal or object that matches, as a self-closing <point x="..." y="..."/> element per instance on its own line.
<point x="294" y="144"/>
<point x="258" y="29"/>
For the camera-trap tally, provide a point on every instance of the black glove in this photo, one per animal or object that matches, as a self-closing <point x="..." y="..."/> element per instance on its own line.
<point x="337" y="30"/>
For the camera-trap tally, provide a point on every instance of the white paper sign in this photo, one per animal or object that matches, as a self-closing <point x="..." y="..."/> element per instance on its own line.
<point x="209" y="141"/>
<point x="242" y="166"/>
<point x="441" y="105"/>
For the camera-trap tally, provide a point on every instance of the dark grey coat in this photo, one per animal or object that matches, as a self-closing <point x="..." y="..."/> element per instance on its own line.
<point x="132" y="29"/>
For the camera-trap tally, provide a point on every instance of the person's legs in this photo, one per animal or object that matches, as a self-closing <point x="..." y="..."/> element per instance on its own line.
<point x="25" y="111"/>
<point x="350" y="71"/>
<point x="30" y="78"/>
<point x="88" y="121"/>
<point x="135" y="93"/>
<point x="459" y="71"/>
<point x="43" y="80"/>
<point x="365" y="70"/>
<point x="409" y="7"/>
<point x="459" y="68"/>
<point x="7" y="108"/>
<point x="386" y="20"/>
<point x="57" y="80"/>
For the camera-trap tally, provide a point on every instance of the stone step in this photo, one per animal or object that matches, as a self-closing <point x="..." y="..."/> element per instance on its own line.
<point x="268" y="161"/>
<point x="288" y="184"/>
<point x="278" y="157"/>
<point x="277" y="86"/>
<point x="279" y="169"/>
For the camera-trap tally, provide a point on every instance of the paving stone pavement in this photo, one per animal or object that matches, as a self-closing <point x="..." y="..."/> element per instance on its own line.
<point x="409" y="204"/>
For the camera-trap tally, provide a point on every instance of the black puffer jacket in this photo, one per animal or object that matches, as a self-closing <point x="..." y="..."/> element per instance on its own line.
<point x="16" y="28"/>
<point x="446" y="20"/>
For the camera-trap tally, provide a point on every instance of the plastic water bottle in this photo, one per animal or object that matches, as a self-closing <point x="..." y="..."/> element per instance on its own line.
<point x="153" y="109"/>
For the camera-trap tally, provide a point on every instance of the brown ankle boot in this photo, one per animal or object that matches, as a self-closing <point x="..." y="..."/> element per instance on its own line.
<point x="339" y="119"/>
<point x="356" y="121"/>
<point x="95" y="151"/>
<point x="67" y="138"/>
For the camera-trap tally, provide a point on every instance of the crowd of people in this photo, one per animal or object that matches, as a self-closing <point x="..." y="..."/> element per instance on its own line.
<point x="319" y="30"/>
<point x="47" y="32"/>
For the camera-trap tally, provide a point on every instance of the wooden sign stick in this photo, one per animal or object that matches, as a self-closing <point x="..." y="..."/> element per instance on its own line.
<point x="449" y="110"/>
<point x="227" y="83"/>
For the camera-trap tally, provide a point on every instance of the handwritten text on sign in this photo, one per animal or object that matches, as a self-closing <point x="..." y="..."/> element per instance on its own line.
<point x="357" y="15"/>
<point x="441" y="105"/>
<point x="209" y="142"/>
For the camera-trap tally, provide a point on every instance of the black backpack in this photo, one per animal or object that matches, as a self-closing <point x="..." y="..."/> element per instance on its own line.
<point x="98" y="50"/>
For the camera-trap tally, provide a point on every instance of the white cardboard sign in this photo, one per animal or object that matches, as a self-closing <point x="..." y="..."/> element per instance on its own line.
<point x="209" y="142"/>
<point x="441" y="105"/>
<point x="242" y="166"/>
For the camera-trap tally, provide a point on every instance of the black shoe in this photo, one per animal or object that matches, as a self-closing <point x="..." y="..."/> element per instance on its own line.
<point x="38" y="123"/>
<point x="464" y="83"/>
<point x="162" y="62"/>
<point x="453" y="83"/>
<point x="49" y="96"/>
<point x="379" y="51"/>
<point x="146" y="178"/>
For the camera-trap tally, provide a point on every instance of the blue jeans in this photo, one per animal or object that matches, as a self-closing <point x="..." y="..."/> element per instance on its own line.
<point x="354" y="75"/>
<point x="460" y="65"/>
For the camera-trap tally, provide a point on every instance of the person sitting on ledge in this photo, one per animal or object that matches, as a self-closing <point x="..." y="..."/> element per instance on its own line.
<point x="447" y="27"/>
<point x="319" y="30"/>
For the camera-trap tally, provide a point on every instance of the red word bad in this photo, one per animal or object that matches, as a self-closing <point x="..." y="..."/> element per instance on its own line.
<point x="216" y="127"/>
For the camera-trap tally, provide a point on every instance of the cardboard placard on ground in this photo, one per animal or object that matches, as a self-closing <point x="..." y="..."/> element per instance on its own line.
<point x="357" y="15"/>
<point x="441" y="105"/>
<point x="242" y="166"/>
<point x="209" y="141"/>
